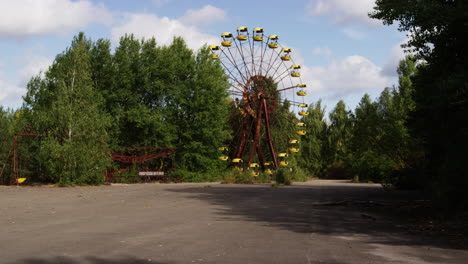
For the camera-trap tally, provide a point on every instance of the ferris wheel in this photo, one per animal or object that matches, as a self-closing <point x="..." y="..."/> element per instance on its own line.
<point x="262" y="74"/>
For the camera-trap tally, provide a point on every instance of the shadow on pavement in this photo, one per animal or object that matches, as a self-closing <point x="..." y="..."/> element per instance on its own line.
<point x="345" y="210"/>
<point x="86" y="260"/>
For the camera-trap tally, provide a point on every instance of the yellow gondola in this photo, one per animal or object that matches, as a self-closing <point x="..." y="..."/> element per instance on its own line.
<point x="242" y="37"/>
<point x="269" y="172"/>
<point x="301" y="124"/>
<point x="223" y="148"/>
<point x="268" y="163"/>
<point x="301" y="132"/>
<point x="20" y="180"/>
<point x="226" y="44"/>
<point x="242" y="33"/>
<point x="274" y="41"/>
<point x="237" y="160"/>
<point x="273" y="45"/>
<point x="254" y="165"/>
<point x="273" y="37"/>
<point x="254" y="173"/>
<point x="293" y="141"/>
<point x="214" y="47"/>
<point x="224" y="158"/>
<point x="303" y="113"/>
<point x="258" y="34"/>
<point x="302" y="85"/>
<point x="295" y="150"/>
<point x="295" y="72"/>
<point x="225" y="35"/>
<point x="301" y="93"/>
<point x="286" y="56"/>
<point x="283" y="163"/>
<point x="303" y="105"/>
<point x="282" y="155"/>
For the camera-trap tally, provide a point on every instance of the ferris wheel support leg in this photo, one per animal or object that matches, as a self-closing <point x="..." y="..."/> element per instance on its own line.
<point x="14" y="173"/>
<point x="257" y="133"/>
<point x="261" y="158"/>
<point x="241" y="146"/>
<point x="268" y="134"/>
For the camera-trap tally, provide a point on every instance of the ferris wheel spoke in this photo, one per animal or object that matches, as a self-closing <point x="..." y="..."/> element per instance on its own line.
<point x="281" y="76"/>
<point x="287" y="88"/>
<point x="281" y="71"/>
<point x="252" y="53"/>
<point x="233" y="62"/>
<point x="263" y="52"/>
<point x="232" y="77"/>
<point x="270" y="64"/>
<point x="241" y="52"/>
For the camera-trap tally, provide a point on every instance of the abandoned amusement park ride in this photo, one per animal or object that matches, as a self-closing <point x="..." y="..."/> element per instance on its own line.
<point x="261" y="73"/>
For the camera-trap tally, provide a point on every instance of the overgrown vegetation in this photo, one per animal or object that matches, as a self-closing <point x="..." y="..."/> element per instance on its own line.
<point x="439" y="122"/>
<point x="92" y="100"/>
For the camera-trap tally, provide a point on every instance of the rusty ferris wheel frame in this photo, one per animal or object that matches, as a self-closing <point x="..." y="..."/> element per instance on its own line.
<point x="261" y="72"/>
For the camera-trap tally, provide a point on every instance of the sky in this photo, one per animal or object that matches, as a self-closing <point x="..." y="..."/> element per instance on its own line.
<point x="343" y="53"/>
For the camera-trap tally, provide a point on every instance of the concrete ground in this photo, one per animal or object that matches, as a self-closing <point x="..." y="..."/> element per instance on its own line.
<point x="314" y="222"/>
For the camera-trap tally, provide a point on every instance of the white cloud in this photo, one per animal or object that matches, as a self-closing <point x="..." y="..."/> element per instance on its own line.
<point x="22" y="18"/>
<point x="34" y="66"/>
<point x="11" y="92"/>
<point x="396" y="54"/>
<point x="325" y="51"/>
<point x="204" y="16"/>
<point x="343" y="12"/>
<point x="347" y="76"/>
<point x="163" y="29"/>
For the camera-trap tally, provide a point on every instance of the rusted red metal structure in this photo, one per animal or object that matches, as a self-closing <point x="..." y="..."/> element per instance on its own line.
<point x="258" y="102"/>
<point x="137" y="155"/>
<point x="261" y="73"/>
<point x="14" y="176"/>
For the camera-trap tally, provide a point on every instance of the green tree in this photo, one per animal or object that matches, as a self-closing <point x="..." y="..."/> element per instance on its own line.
<point x="338" y="136"/>
<point x="67" y="104"/>
<point x="197" y="106"/>
<point x="437" y="34"/>
<point x="368" y="161"/>
<point x="313" y="143"/>
<point x="6" y="140"/>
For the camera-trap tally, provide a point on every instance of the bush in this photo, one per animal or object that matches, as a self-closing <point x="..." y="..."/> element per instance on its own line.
<point x="299" y="175"/>
<point x="190" y="176"/>
<point x="236" y="175"/>
<point x="263" y="177"/>
<point x="283" y="176"/>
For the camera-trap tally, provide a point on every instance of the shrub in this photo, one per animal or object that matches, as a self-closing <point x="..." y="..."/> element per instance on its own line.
<point x="283" y="176"/>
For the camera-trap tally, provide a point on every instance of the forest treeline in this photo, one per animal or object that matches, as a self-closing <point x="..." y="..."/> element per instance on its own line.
<point x="92" y="100"/>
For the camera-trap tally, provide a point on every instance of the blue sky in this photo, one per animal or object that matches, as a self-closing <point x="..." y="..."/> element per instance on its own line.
<point x="343" y="53"/>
